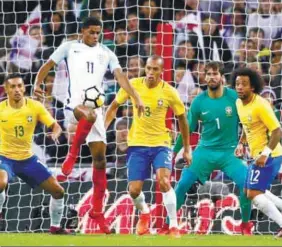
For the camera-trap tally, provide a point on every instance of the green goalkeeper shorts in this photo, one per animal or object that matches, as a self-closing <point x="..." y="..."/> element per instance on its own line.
<point x="205" y="161"/>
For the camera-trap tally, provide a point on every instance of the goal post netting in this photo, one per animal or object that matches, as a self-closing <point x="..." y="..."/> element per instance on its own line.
<point x="187" y="34"/>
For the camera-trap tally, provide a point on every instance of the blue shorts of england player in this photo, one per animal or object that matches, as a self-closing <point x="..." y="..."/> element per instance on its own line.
<point x="140" y="161"/>
<point x="30" y="170"/>
<point x="260" y="178"/>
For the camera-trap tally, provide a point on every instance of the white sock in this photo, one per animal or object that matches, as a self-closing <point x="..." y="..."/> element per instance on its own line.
<point x="268" y="208"/>
<point x="139" y="203"/>
<point x="2" y="200"/>
<point x="275" y="199"/>
<point x="169" y="199"/>
<point x="56" y="211"/>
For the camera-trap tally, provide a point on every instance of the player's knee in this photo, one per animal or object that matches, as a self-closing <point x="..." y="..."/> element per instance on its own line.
<point x="58" y="193"/>
<point x="164" y="184"/>
<point x="134" y="191"/>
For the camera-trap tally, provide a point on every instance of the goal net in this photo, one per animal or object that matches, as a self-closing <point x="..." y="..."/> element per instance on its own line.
<point x="187" y="34"/>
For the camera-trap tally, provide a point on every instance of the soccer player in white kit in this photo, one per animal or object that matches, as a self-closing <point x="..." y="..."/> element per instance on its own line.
<point x="87" y="62"/>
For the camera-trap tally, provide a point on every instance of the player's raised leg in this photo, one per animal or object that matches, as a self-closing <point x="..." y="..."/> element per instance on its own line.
<point x="86" y="117"/>
<point x="99" y="180"/>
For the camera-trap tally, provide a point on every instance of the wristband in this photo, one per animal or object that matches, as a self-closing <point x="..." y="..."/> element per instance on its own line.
<point x="266" y="151"/>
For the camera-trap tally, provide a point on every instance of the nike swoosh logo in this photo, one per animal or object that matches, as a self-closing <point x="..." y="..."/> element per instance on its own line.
<point x="76" y="51"/>
<point x="4" y="121"/>
<point x="204" y="113"/>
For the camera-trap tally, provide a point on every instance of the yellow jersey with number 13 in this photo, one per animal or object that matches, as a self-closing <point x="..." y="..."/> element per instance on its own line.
<point x="17" y="127"/>
<point x="258" y="120"/>
<point x="150" y="129"/>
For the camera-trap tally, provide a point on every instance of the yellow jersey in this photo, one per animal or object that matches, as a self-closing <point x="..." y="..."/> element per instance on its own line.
<point x="17" y="127"/>
<point x="150" y="129"/>
<point x="258" y="120"/>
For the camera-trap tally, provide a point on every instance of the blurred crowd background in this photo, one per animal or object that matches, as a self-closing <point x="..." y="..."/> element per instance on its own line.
<point x="239" y="33"/>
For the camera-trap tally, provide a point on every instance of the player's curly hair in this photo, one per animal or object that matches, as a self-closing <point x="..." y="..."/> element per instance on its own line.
<point x="255" y="79"/>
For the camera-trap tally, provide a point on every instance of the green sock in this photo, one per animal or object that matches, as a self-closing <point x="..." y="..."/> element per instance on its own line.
<point x="246" y="207"/>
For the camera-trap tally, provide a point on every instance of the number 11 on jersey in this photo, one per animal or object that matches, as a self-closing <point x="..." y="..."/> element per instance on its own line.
<point x="90" y="67"/>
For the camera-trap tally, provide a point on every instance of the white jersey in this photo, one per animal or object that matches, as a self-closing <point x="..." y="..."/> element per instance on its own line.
<point x="86" y="66"/>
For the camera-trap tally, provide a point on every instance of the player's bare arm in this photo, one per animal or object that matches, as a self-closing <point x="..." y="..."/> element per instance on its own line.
<point x="111" y="113"/>
<point x="184" y="129"/>
<point x="56" y="132"/>
<point x="273" y="141"/>
<point x="124" y="83"/>
<point x="41" y="75"/>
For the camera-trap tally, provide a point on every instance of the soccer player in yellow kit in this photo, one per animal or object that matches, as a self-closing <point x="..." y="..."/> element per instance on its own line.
<point x="149" y="140"/>
<point x="18" y="118"/>
<point x="261" y="130"/>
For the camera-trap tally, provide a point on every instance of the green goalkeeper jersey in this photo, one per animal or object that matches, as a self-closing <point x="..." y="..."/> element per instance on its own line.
<point x="219" y="120"/>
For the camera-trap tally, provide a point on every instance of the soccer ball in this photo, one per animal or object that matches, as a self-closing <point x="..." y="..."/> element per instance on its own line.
<point x="93" y="97"/>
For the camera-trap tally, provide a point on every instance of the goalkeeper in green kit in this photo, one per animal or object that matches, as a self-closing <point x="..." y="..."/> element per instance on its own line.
<point x="216" y="109"/>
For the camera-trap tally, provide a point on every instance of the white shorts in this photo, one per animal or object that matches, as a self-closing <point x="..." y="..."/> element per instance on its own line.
<point x="98" y="131"/>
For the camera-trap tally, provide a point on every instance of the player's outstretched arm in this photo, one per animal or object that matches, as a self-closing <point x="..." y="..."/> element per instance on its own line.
<point x="124" y="83"/>
<point x="41" y="75"/>
<point x="111" y="113"/>
<point x="184" y="130"/>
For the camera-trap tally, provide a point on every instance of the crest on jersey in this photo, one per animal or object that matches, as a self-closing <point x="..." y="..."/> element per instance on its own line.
<point x="29" y="119"/>
<point x="249" y="118"/>
<point x="160" y="102"/>
<point x="228" y="111"/>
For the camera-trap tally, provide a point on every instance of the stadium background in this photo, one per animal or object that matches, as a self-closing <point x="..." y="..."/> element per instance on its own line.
<point x="187" y="34"/>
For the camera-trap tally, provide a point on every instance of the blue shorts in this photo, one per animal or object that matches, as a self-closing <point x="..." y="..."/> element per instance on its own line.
<point x="31" y="170"/>
<point x="141" y="159"/>
<point x="260" y="178"/>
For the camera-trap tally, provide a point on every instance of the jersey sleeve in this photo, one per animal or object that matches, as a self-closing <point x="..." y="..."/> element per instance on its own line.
<point x="193" y="115"/>
<point x="122" y="96"/>
<point x="113" y="63"/>
<point x="267" y="116"/>
<point x="176" y="103"/>
<point x="61" y="52"/>
<point x="43" y="115"/>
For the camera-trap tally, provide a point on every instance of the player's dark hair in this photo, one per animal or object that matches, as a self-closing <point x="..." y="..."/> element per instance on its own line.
<point x="12" y="76"/>
<point x="215" y="66"/>
<point x="256" y="80"/>
<point x="91" y="21"/>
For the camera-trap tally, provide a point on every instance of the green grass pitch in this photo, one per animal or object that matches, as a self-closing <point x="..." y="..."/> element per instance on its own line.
<point x="36" y="239"/>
